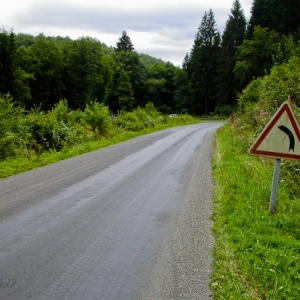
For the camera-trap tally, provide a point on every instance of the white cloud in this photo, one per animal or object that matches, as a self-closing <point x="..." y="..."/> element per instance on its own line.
<point x="163" y="29"/>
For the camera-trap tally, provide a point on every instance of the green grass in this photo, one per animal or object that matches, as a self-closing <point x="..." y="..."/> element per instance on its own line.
<point x="256" y="255"/>
<point x="18" y="165"/>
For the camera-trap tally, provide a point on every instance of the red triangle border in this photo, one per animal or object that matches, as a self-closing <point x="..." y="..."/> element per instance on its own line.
<point x="253" y="150"/>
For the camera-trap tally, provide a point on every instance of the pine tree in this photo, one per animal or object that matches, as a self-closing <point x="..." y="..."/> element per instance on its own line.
<point x="203" y="64"/>
<point x="232" y="37"/>
<point x="124" y="43"/>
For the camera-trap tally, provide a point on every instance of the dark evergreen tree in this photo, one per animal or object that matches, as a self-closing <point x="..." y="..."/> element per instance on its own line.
<point x="7" y="56"/>
<point x="137" y="74"/>
<point x="125" y="92"/>
<point x="136" y="71"/>
<point x="232" y="37"/>
<point x="203" y="65"/>
<point x="13" y="79"/>
<point x="182" y="92"/>
<point x="121" y="96"/>
<point x="124" y="43"/>
<point x="186" y="61"/>
<point x="283" y="16"/>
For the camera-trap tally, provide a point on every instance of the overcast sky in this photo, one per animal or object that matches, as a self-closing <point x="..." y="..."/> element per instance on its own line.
<point x="161" y="28"/>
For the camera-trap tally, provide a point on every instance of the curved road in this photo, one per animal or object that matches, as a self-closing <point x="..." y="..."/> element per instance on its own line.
<point x="129" y="221"/>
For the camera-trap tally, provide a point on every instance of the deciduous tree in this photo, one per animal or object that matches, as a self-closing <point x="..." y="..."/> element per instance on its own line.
<point x="258" y="55"/>
<point x="82" y="73"/>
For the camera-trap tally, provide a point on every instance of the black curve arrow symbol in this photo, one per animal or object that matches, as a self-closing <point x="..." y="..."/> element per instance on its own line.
<point x="290" y="135"/>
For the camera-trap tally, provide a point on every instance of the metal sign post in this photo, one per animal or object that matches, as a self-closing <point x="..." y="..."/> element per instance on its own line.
<point x="280" y="139"/>
<point x="274" y="185"/>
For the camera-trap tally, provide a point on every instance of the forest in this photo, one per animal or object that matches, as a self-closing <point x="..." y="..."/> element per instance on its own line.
<point x="40" y="71"/>
<point x="54" y="90"/>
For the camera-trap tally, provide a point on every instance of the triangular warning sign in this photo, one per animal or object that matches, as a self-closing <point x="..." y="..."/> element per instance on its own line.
<point x="281" y="136"/>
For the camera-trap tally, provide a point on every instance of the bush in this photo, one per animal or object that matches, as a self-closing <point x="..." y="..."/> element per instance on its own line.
<point x="258" y="103"/>
<point x="13" y="130"/>
<point x="97" y="116"/>
<point x="129" y="121"/>
<point x="53" y="130"/>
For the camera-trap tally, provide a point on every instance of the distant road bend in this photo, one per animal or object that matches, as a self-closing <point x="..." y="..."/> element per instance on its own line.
<point x="130" y="221"/>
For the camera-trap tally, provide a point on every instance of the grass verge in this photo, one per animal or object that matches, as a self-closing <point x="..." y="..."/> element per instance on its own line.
<point x="256" y="255"/>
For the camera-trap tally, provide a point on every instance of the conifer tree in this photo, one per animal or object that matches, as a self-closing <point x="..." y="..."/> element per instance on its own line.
<point x="203" y="64"/>
<point x="232" y="37"/>
<point x="124" y="43"/>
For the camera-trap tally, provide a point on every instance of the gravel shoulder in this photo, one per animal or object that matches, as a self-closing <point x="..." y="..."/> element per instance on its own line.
<point x="183" y="261"/>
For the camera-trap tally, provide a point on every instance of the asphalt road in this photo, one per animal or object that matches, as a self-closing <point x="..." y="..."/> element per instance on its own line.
<point x="130" y="221"/>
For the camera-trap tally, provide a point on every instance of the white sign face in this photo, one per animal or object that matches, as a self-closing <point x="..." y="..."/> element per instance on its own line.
<point x="281" y="136"/>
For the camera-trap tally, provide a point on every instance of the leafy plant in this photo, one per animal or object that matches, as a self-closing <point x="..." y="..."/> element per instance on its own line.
<point x="97" y="116"/>
<point x="13" y="131"/>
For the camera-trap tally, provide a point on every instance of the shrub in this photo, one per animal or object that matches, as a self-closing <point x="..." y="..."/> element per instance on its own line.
<point x="53" y="130"/>
<point x="97" y="116"/>
<point x="129" y="121"/>
<point x="13" y="131"/>
<point x="258" y="103"/>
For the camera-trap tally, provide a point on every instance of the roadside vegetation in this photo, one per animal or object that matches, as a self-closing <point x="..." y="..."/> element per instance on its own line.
<point x="29" y="139"/>
<point x="256" y="254"/>
<point x="113" y="94"/>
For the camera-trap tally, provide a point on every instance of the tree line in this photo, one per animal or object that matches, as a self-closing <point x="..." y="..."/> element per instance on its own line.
<point x="40" y="71"/>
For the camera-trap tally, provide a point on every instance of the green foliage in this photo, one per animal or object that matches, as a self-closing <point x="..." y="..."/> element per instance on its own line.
<point x="98" y="117"/>
<point x="250" y="93"/>
<point x="46" y="65"/>
<point x="129" y="121"/>
<point x="25" y="40"/>
<point x="256" y="255"/>
<point x="266" y="248"/>
<point x="151" y="110"/>
<point x="253" y="63"/>
<point x="182" y="92"/>
<point x="203" y="65"/>
<point x="124" y="43"/>
<point x="279" y="15"/>
<point x="125" y="92"/>
<point x="262" y="97"/>
<point x="7" y="57"/>
<point x="83" y="77"/>
<point x="41" y="70"/>
<point x="232" y="38"/>
<point x="107" y="71"/>
<point x="48" y="133"/>
<point x="129" y="62"/>
<point x="13" y="131"/>
<point x="139" y="119"/>
<point x="148" y="60"/>
<point x="161" y="87"/>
